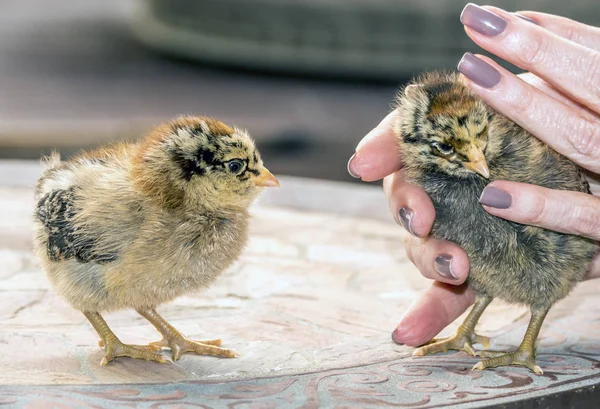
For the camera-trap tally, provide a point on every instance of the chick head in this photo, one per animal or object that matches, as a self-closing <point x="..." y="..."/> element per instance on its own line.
<point x="442" y="126"/>
<point x="198" y="161"/>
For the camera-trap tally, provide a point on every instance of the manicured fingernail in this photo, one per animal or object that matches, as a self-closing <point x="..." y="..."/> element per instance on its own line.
<point x="481" y="20"/>
<point x="396" y="336"/>
<point x="478" y="71"/>
<point x="443" y="265"/>
<point x="405" y="216"/>
<point x="528" y="19"/>
<point x="494" y="197"/>
<point x="351" y="169"/>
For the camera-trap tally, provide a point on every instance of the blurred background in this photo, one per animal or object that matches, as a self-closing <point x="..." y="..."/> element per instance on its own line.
<point x="307" y="78"/>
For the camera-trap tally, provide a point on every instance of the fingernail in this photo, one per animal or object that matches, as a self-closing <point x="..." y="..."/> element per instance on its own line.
<point x="396" y="336"/>
<point x="478" y="71"/>
<point x="443" y="265"/>
<point x="405" y="216"/>
<point x="528" y="19"/>
<point x="351" y="170"/>
<point x="496" y="198"/>
<point x="481" y="20"/>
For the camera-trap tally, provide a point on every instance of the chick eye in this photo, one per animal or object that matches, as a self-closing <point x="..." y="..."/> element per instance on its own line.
<point x="443" y="148"/>
<point x="235" y="166"/>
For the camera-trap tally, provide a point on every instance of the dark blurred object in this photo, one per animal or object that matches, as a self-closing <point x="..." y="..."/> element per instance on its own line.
<point x="376" y="39"/>
<point x="72" y="75"/>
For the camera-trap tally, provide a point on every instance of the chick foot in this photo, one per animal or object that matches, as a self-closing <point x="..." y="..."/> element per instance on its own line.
<point x="525" y="354"/>
<point x="115" y="348"/>
<point x="179" y="344"/>
<point x="521" y="357"/>
<point x="465" y="336"/>
<point x="460" y="341"/>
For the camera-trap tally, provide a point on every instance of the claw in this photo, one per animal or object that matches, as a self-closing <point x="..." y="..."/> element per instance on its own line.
<point x="469" y="349"/>
<point x="478" y="366"/>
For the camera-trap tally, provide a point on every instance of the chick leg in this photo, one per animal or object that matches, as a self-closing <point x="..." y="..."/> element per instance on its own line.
<point x="180" y="344"/>
<point x="114" y="347"/>
<point x="465" y="335"/>
<point x="525" y="354"/>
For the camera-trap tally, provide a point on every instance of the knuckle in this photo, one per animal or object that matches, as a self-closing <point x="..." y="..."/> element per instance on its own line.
<point x="534" y="49"/>
<point x="585" y="221"/>
<point x="538" y="210"/>
<point x="571" y="32"/>
<point x="522" y="101"/>
<point x="585" y="137"/>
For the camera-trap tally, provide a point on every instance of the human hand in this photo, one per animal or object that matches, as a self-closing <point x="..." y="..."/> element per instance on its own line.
<point x="558" y="101"/>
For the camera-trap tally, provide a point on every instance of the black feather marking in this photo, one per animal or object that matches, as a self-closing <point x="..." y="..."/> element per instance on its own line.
<point x="197" y="130"/>
<point x="208" y="157"/>
<point x="447" y="128"/>
<point x="57" y="211"/>
<point x="415" y="121"/>
<point x="411" y="138"/>
<point x="439" y="88"/>
<point x="462" y="121"/>
<point x="189" y="167"/>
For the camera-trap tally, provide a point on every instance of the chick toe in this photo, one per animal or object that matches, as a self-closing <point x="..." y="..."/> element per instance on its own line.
<point x="165" y="343"/>
<point x="521" y="357"/>
<point x="480" y="339"/>
<point x="179" y="344"/>
<point x="150" y="347"/>
<point x="115" y="348"/>
<point x="459" y="342"/>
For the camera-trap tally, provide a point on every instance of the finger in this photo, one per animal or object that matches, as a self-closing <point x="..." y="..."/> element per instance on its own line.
<point x="410" y="204"/>
<point x="570" y="131"/>
<point x="377" y="153"/>
<point x="587" y="36"/>
<point x="547" y="89"/>
<point x="559" y="210"/>
<point x="438" y="260"/>
<point x="435" y="309"/>
<point x="569" y="67"/>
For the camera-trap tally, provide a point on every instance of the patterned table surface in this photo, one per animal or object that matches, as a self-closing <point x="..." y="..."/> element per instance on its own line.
<point x="310" y="306"/>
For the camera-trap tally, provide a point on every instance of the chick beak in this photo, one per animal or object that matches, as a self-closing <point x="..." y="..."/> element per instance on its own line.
<point x="477" y="163"/>
<point x="266" y="179"/>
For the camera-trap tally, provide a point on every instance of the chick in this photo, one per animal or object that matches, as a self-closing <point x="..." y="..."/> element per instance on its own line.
<point x="453" y="145"/>
<point x="135" y="225"/>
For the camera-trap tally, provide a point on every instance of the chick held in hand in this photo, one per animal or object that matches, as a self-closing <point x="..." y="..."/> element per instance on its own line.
<point x="135" y="225"/>
<point x="453" y="145"/>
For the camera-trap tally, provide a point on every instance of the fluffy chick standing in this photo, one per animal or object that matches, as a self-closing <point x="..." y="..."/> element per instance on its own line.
<point x="135" y="225"/>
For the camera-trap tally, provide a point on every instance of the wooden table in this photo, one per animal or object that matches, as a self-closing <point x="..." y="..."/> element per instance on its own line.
<point x="310" y="306"/>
